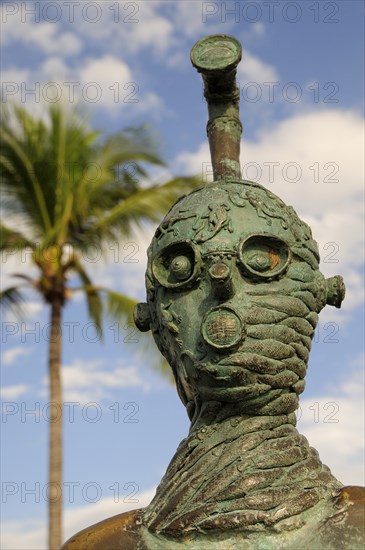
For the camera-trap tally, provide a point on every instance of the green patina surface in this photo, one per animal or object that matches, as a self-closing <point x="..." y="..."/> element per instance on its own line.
<point x="234" y="291"/>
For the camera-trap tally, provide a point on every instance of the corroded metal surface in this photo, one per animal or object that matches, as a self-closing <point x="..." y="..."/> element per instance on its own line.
<point x="216" y="58"/>
<point x="117" y="532"/>
<point x="234" y="291"/>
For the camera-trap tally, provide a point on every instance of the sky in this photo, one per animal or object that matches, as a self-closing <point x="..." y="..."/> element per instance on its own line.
<point x="301" y="86"/>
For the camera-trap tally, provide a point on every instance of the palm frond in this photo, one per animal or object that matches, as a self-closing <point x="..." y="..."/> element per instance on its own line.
<point x="48" y="182"/>
<point x="93" y="298"/>
<point x="11" y="298"/>
<point x="17" y="162"/>
<point x="119" y="166"/>
<point x="12" y="241"/>
<point x="119" y="306"/>
<point x="146" y="204"/>
<point x="30" y="280"/>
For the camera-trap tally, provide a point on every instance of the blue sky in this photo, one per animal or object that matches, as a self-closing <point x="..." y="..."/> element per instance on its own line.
<point x="302" y="87"/>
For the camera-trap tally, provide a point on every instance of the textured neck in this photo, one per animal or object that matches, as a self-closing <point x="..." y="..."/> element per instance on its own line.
<point x="241" y="472"/>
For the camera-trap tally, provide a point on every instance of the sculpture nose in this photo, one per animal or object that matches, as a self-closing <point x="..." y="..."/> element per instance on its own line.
<point x="221" y="278"/>
<point x="222" y="328"/>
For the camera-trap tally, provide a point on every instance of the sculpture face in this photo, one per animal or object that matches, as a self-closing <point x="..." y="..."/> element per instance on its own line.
<point x="234" y="293"/>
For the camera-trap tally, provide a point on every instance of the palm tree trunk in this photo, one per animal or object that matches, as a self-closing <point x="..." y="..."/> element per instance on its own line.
<point x="55" y="433"/>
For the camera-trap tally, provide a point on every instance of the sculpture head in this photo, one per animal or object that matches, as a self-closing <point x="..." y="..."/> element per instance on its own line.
<point x="233" y="281"/>
<point x="233" y="296"/>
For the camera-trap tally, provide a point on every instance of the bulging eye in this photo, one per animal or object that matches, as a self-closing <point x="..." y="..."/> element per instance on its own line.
<point x="181" y="268"/>
<point x="259" y="261"/>
<point x="177" y="265"/>
<point x="264" y="256"/>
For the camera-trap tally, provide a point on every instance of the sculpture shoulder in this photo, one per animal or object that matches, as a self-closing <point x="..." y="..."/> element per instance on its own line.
<point x="353" y="498"/>
<point x="120" y="531"/>
<point x="346" y="528"/>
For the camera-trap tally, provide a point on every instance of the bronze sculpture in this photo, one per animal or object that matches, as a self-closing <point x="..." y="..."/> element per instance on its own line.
<point x="233" y="296"/>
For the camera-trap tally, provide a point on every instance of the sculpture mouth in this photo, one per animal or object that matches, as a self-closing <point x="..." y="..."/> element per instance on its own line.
<point x="252" y="361"/>
<point x="248" y="376"/>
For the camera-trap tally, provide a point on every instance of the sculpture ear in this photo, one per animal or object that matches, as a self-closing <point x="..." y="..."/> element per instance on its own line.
<point x="142" y="317"/>
<point x="335" y="291"/>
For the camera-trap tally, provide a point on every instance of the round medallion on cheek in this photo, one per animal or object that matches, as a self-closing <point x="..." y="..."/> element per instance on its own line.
<point x="222" y="328"/>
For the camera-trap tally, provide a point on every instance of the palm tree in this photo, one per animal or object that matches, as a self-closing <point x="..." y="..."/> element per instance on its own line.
<point x="60" y="209"/>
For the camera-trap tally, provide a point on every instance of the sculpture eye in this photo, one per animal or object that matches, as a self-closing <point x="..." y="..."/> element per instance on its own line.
<point x="259" y="261"/>
<point x="177" y="265"/>
<point x="181" y="268"/>
<point x="264" y="256"/>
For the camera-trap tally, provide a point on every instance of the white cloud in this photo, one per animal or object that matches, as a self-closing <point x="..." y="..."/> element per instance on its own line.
<point x="105" y="81"/>
<point x="55" y="68"/>
<point x="11" y="81"/>
<point x="334" y="423"/>
<point x="152" y="104"/>
<point x="68" y="43"/>
<point x="33" y="309"/>
<point x="27" y="534"/>
<point x="258" y="29"/>
<point x="29" y="315"/>
<point x="194" y="163"/>
<point x="123" y="268"/>
<point x="64" y="38"/>
<point x="30" y="534"/>
<point x="125" y="33"/>
<point x="112" y="76"/>
<point x="14" y="392"/>
<point x="253" y="69"/>
<point x="11" y="355"/>
<point x="85" y="381"/>
<point x="189" y="21"/>
<point x="132" y="27"/>
<point x="325" y="149"/>
<point x="153" y="31"/>
<point x="44" y="35"/>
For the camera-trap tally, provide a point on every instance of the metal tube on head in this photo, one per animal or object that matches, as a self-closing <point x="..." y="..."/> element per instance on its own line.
<point x="216" y="57"/>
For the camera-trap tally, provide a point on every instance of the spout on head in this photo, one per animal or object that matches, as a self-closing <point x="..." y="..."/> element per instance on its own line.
<point x="216" y="58"/>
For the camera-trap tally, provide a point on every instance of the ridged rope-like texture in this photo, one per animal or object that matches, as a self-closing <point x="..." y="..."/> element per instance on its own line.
<point x="246" y="474"/>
